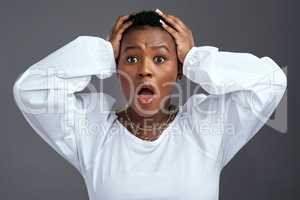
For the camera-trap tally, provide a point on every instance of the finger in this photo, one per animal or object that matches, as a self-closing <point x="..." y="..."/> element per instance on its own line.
<point x="119" y="32"/>
<point x="178" y="21"/>
<point x="171" y="30"/>
<point x="124" y="27"/>
<point x="172" y="20"/>
<point x="172" y="23"/>
<point x="120" y="21"/>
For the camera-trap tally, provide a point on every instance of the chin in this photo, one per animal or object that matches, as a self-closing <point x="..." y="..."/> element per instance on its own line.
<point x="146" y="110"/>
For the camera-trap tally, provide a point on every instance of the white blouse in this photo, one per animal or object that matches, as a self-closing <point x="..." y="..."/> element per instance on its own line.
<point x="185" y="162"/>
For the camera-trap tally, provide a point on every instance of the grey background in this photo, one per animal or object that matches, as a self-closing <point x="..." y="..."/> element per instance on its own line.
<point x="29" y="169"/>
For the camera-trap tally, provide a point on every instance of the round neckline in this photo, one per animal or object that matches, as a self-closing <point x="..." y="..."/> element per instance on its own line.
<point x="145" y="142"/>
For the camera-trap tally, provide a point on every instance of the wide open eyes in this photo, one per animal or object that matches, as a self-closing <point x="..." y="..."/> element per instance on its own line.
<point x="156" y="59"/>
<point x="132" y="59"/>
<point x="160" y="59"/>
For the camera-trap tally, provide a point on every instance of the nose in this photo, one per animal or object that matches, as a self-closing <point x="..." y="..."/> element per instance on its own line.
<point x="145" y="69"/>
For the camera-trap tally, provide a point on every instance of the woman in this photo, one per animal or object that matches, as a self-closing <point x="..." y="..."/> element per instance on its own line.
<point x="152" y="149"/>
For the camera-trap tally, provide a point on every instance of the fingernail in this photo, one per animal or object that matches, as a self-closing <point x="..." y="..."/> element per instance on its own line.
<point x="161" y="21"/>
<point x="158" y="11"/>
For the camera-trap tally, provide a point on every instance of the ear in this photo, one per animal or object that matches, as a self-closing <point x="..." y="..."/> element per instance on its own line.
<point x="117" y="64"/>
<point x="179" y="74"/>
<point x="117" y="61"/>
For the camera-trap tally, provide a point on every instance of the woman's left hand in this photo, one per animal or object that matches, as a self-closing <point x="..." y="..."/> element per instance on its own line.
<point x="182" y="34"/>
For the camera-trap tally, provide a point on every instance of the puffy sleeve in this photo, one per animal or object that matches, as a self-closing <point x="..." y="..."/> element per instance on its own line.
<point x="46" y="96"/>
<point x="243" y="91"/>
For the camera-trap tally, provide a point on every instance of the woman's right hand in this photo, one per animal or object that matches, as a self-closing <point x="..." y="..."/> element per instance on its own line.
<point x="116" y="34"/>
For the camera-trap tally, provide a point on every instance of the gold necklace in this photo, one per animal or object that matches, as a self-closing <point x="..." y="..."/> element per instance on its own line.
<point x="160" y="128"/>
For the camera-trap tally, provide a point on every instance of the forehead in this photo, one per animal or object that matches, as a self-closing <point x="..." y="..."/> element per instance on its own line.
<point x="148" y="36"/>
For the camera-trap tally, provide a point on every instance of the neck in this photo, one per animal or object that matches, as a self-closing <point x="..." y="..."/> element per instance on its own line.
<point x="160" y="116"/>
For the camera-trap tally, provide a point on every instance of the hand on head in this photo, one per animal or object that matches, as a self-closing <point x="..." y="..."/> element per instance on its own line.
<point x="181" y="33"/>
<point x="116" y="33"/>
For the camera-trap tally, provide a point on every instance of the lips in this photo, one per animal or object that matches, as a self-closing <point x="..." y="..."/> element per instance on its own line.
<point x="146" y="93"/>
<point x="146" y="89"/>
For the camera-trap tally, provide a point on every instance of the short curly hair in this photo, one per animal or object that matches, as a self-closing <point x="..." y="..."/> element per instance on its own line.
<point x="144" y="18"/>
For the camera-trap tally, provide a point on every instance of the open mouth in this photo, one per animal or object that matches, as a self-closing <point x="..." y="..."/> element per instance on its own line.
<point x="146" y="94"/>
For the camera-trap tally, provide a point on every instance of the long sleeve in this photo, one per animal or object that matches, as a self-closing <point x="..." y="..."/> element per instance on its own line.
<point x="46" y="95"/>
<point x="243" y="91"/>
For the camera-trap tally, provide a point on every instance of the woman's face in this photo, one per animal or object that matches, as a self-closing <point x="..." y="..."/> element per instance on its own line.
<point x="147" y="56"/>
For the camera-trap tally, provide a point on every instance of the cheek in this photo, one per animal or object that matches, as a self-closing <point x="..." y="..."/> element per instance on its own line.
<point x="168" y="79"/>
<point x="126" y="82"/>
<point x="169" y="73"/>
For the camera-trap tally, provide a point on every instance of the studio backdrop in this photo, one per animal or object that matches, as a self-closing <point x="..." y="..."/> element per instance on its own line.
<point x="30" y="169"/>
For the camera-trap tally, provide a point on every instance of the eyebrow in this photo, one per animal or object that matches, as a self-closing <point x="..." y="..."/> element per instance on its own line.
<point x="152" y="47"/>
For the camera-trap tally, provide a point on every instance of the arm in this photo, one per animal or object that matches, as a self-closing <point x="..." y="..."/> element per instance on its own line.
<point x="244" y="90"/>
<point x="46" y="95"/>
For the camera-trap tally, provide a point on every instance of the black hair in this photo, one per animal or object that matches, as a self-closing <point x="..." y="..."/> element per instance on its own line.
<point x="147" y="18"/>
<point x="144" y="18"/>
